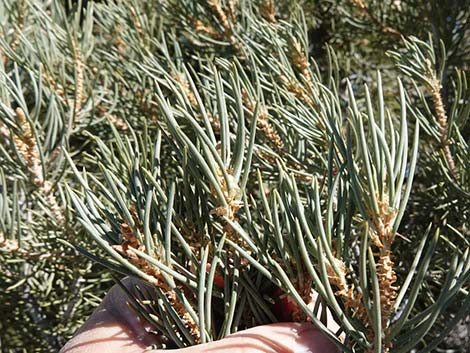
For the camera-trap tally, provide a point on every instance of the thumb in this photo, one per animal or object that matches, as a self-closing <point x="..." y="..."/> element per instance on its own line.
<point x="115" y="328"/>
<point x="274" y="338"/>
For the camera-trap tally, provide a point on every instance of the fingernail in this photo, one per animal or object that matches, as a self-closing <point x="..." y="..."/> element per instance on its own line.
<point x="310" y="340"/>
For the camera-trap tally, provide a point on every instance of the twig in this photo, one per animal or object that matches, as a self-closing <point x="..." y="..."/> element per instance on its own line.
<point x="443" y="125"/>
<point x="268" y="11"/>
<point x="300" y="61"/>
<point x="27" y="147"/>
<point x="18" y="27"/>
<point x="263" y="123"/>
<point x="226" y="21"/>
<point x="384" y="28"/>
<point x="382" y="236"/>
<point x="77" y="57"/>
<point x="155" y="277"/>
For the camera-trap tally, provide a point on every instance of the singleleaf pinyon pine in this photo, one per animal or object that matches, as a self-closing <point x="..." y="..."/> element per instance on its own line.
<point x="253" y="161"/>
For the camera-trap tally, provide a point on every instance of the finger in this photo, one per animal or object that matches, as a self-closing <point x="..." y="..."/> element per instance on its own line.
<point x="113" y="327"/>
<point x="112" y="337"/>
<point x="274" y="338"/>
<point x="104" y="333"/>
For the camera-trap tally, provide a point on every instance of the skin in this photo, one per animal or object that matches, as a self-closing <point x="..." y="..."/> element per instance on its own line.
<point x="115" y="328"/>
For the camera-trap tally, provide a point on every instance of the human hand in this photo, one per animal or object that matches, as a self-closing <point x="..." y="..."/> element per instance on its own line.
<point x="115" y="328"/>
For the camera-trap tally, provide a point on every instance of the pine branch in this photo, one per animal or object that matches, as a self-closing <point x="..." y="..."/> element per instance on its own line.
<point x="215" y="151"/>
